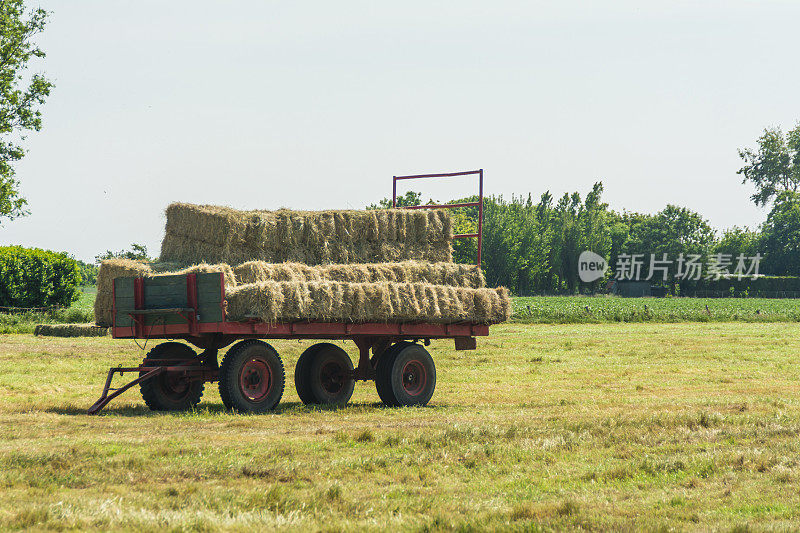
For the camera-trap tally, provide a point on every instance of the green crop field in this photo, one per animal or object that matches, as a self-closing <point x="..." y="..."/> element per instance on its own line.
<point x="685" y="426"/>
<point x="598" y="309"/>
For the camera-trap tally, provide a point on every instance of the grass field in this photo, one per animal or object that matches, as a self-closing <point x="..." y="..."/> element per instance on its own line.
<point x="612" y="426"/>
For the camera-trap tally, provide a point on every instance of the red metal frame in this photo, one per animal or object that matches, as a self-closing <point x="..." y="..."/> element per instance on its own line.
<point x="303" y="330"/>
<point x="479" y="203"/>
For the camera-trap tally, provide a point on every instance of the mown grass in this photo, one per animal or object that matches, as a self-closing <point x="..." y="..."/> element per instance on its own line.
<point x="602" y="309"/>
<point x="82" y="311"/>
<point x="594" y="427"/>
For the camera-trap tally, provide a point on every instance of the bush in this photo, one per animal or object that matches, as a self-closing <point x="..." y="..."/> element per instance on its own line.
<point x="762" y="286"/>
<point x="30" y="277"/>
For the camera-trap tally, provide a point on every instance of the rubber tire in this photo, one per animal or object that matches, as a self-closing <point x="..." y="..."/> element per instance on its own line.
<point x="330" y="353"/>
<point x="153" y="389"/>
<point x="230" y="369"/>
<point x="389" y="375"/>
<point x="382" y="371"/>
<point x="302" y="375"/>
<point x="308" y="370"/>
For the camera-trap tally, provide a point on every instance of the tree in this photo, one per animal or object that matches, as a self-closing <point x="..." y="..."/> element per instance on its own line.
<point x="565" y="248"/>
<point x="673" y="231"/>
<point x="781" y="236"/>
<point x="88" y="272"/>
<point x="138" y="252"/>
<point x="774" y="167"/>
<point x="737" y="240"/>
<point x="595" y="222"/>
<point x="21" y="95"/>
<point x="408" y="199"/>
<point x="514" y="251"/>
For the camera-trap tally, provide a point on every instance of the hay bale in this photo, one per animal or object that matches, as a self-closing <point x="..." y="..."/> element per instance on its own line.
<point x="230" y="275"/>
<point x="70" y="330"/>
<point x="185" y="250"/>
<point x="457" y="275"/>
<point x="109" y="271"/>
<point x="401" y="292"/>
<point x="333" y="301"/>
<point x="209" y="223"/>
<point x="197" y="233"/>
<point x="119" y="268"/>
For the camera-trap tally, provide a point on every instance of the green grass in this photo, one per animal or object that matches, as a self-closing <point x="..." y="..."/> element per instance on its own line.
<point x="82" y="311"/>
<point x="680" y="426"/>
<point x="601" y="309"/>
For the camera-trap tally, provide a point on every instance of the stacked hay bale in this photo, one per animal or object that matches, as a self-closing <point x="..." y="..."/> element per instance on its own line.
<point x="334" y="266"/>
<point x="112" y="269"/>
<point x="455" y="274"/>
<point x="214" y="234"/>
<point x="333" y="301"/>
<point x="406" y="291"/>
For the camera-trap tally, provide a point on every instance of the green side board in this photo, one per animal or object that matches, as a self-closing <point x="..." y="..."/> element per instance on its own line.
<point x="169" y="292"/>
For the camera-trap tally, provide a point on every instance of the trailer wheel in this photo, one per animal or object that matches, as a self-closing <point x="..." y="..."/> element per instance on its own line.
<point x="405" y="375"/>
<point x="302" y="381"/>
<point x="323" y="375"/>
<point x="171" y="391"/>
<point x="251" y="377"/>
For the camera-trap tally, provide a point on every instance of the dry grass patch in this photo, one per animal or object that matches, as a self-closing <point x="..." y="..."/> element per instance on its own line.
<point x="574" y="446"/>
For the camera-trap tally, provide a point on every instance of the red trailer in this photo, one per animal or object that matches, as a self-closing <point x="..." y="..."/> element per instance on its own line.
<point x="191" y="307"/>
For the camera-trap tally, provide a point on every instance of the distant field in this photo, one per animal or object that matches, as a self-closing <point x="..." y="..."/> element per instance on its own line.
<point x="580" y="427"/>
<point x="598" y="309"/>
<point x="86" y="300"/>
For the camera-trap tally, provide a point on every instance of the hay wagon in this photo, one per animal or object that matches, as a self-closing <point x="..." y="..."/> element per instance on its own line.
<point x="191" y="307"/>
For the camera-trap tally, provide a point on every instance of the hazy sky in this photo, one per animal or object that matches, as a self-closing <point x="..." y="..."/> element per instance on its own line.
<point x="315" y="105"/>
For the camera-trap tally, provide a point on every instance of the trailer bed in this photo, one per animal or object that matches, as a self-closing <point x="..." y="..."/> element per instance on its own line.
<point x="191" y="306"/>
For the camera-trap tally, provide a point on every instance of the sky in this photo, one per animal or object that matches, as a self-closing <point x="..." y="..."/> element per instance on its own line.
<point x="317" y="104"/>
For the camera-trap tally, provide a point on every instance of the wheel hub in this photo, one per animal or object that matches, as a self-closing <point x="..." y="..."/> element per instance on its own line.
<point x="331" y="377"/>
<point x="414" y="378"/>
<point x="175" y="383"/>
<point x="255" y="379"/>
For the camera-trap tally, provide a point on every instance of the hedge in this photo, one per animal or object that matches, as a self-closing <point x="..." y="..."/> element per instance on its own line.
<point x="764" y="285"/>
<point x="30" y="277"/>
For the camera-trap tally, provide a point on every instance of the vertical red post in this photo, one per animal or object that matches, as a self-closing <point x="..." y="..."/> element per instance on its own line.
<point x="480" y="214"/>
<point x="138" y="303"/>
<point x="113" y="308"/>
<point x="394" y="191"/>
<point x="222" y="302"/>
<point x="191" y="301"/>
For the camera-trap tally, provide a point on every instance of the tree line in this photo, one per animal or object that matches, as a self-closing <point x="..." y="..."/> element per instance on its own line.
<point x="532" y="246"/>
